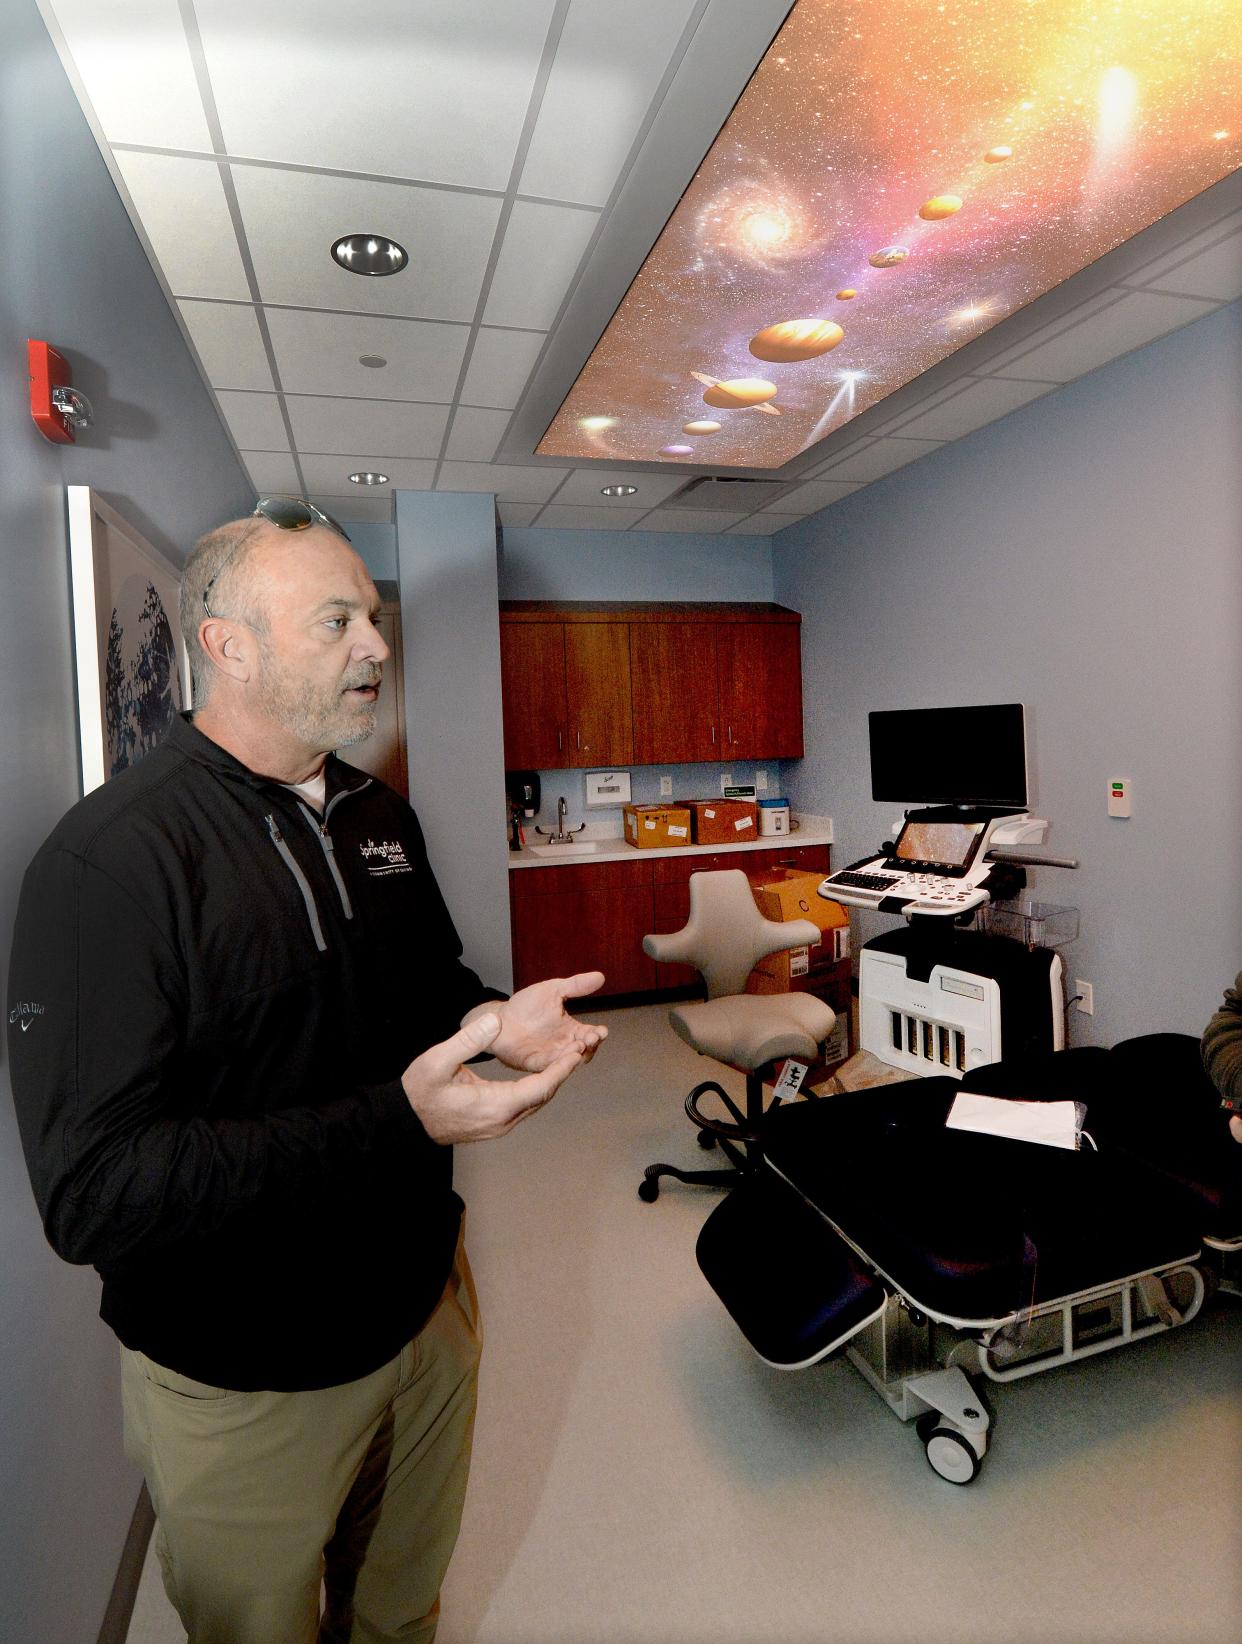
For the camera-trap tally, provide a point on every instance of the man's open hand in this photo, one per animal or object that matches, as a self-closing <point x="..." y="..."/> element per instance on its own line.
<point x="535" y="1031"/>
<point x="456" y="1105"/>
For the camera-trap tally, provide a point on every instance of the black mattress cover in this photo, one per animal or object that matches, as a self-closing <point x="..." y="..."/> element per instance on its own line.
<point x="974" y="1228"/>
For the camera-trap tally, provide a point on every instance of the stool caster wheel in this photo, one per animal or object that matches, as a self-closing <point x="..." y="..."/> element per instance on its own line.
<point x="649" y="1189"/>
<point x="706" y="1139"/>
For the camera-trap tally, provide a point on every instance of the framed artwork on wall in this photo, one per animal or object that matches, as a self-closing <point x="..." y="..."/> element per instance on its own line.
<point x="132" y="670"/>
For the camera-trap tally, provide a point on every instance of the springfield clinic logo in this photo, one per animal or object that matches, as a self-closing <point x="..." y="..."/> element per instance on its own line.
<point x="385" y="858"/>
<point x="26" y="1011"/>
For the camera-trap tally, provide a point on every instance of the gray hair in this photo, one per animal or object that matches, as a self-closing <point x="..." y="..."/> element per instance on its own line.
<point x="215" y="562"/>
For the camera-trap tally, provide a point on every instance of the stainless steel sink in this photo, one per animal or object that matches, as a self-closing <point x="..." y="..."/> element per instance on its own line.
<point x="577" y="847"/>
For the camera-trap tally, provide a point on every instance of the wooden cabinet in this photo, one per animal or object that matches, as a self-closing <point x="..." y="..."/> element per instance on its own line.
<point x="759" y="670"/>
<point x="674" y="692"/>
<point x="612" y="684"/>
<point x="594" y="916"/>
<point x="583" y="918"/>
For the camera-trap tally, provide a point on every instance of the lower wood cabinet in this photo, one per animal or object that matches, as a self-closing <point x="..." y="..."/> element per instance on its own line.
<point x="594" y="916"/>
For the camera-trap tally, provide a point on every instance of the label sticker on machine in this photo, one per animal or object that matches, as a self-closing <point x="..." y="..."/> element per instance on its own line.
<point x="968" y="990"/>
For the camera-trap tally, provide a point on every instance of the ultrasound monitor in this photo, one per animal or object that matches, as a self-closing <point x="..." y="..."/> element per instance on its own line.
<point x="950" y="756"/>
<point x="937" y="846"/>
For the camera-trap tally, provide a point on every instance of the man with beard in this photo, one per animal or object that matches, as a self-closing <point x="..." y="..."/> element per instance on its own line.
<point x="238" y="1097"/>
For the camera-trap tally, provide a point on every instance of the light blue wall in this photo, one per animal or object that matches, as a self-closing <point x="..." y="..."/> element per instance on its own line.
<point x="635" y="565"/>
<point x="71" y="273"/>
<point x="1084" y="556"/>
<point x="450" y="626"/>
<point x="377" y="546"/>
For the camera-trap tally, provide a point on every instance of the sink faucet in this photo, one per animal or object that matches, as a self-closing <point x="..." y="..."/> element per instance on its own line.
<point x="563" y="835"/>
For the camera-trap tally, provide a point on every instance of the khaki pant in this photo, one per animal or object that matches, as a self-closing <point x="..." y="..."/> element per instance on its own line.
<point x="259" y="1496"/>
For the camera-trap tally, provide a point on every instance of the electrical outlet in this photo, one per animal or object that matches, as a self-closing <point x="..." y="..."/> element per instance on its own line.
<point x="1086" y="997"/>
<point x="726" y="780"/>
<point x="666" y="787"/>
<point x="761" y="781"/>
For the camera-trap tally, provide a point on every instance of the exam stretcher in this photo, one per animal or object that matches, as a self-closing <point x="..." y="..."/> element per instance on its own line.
<point x="937" y="1259"/>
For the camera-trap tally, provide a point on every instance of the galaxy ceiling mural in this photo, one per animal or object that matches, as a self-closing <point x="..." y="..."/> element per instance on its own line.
<point x="897" y="177"/>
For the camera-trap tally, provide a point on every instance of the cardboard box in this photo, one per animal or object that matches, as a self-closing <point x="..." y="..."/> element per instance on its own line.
<point x="722" y="821"/>
<point x="788" y="894"/>
<point x="835" y="988"/>
<point x="650" y="825"/>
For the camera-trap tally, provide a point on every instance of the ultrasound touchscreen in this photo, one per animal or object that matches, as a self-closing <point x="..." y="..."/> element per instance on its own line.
<point x="948" y="844"/>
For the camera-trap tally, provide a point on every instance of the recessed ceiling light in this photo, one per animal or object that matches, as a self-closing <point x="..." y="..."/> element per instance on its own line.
<point x="619" y="491"/>
<point x="370" y="254"/>
<point x="372" y="361"/>
<point x="367" y="478"/>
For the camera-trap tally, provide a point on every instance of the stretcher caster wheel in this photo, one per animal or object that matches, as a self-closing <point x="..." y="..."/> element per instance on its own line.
<point x="949" y="1454"/>
<point x="649" y="1189"/>
<point x="706" y="1139"/>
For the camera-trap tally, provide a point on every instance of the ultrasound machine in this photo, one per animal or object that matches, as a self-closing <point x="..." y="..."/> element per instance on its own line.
<point x="934" y="998"/>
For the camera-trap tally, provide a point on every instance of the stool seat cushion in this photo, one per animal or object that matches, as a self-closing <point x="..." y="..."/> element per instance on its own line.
<point x="746" y="1030"/>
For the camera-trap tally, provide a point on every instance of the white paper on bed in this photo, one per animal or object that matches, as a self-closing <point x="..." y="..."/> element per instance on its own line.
<point x="1053" y="1124"/>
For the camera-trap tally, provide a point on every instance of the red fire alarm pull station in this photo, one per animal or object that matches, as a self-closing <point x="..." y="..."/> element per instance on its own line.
<point x="55" y="405"/>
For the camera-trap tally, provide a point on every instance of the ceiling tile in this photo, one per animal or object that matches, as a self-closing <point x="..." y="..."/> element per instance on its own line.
<point x="811" y="497"/>
<point x="571" y="518"/>
<point x="878" y="459"/>
<point x="517" y="515"/>
<point x="1206" y="239"/>
<point x="292" y="219"/>
<point x="185" y="217"/>
<point x="509" y="484"/>
<point x="1140" y="317"/>
<point x="319" y="354"/>
<point x="500" y="364"/>
<point x="608" y="67"/>
<point x="372" y="510"/>
<point x="476" y="433"/>
<point x="693" y="521"/>
<point x="328" y="473"/>
<point x="763" y="525"/>
<point x="841" y="452"/>
<point x="539" y="256"/>
<point x="254" y="420"/>
<point x="438" y="91"/>
<point x="583" y="487"/>
<point x="134" y="61"/>
<point x="1214" y="273"/>
<point x="227" y="339"/>
<point x="1045" y="333"/>
<point x="385" y="428"/>
<point x="272" y="473"/>
<point x="982" y="402"/>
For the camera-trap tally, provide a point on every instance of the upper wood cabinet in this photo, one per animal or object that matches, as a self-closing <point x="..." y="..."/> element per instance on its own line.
<point x="565" y="688"/>
<point x="612" y="684"/>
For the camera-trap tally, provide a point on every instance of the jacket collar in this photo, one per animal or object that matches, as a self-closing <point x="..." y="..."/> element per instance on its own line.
<point x="187" y="740"/>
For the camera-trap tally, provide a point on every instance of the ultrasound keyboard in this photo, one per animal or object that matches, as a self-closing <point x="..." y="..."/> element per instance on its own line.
<point x="902" y="892"/>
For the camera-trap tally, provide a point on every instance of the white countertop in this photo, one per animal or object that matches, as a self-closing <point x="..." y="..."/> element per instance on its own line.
<point x="604" y="844"/>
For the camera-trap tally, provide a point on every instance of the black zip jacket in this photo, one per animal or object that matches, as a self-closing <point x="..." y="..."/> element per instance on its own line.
<point x="213" y="997"/>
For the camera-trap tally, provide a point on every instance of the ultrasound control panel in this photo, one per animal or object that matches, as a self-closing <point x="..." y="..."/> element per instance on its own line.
<point x="938" y="863"/>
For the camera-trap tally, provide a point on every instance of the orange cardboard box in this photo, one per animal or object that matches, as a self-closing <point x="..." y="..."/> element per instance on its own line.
<point x="723" y="821"/>
<point x="650" y="825"/>
<point x="789" y="894"/>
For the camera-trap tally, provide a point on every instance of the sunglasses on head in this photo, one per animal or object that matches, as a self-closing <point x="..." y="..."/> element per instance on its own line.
<point x="287" y="514"/>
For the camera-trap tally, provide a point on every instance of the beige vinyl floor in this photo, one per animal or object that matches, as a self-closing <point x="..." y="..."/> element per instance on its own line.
<point x="641" y="1478"/>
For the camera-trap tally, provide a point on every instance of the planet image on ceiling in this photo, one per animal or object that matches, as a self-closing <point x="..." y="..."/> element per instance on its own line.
<point x="846" y="293"/>
<point x="677" y="450"/>
<point x="739" y="393"/>
<point x="888" y="256"/>
<point x="703" y="427"/>
<point x="939" y="207"/>
<point x="1001" y="152"/>
<point x="793" y="340"/>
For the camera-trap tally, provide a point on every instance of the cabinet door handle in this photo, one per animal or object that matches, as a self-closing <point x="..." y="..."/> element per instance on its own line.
<point x="713" y="736"/>
<point x="730" y="736"/>
<point x="560" y="746"/>
<point x="578" y="735"/>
